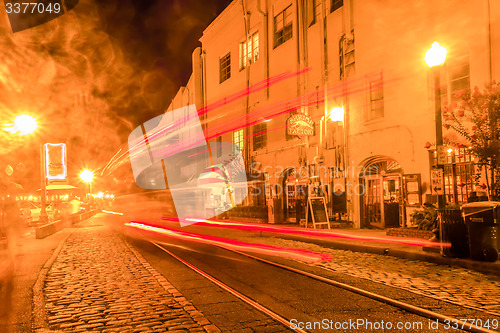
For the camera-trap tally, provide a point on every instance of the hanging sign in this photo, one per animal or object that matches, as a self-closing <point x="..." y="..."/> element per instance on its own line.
<point x="300" y="125"/>
<point x="55" y="161"/>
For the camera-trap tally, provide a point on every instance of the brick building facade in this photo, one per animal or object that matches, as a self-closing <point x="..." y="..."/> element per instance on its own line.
<point x="356" y="70"/>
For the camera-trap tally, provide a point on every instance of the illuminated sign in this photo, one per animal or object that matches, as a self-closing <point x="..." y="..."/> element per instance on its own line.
<point x="55" y="161"/>
<point x="300" y="125"/>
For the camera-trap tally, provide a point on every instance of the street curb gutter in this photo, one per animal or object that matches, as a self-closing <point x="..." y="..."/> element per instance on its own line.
<point x="480" y="266"/>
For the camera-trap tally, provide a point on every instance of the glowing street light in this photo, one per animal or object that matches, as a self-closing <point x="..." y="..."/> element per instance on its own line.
<point x="23" y="125"/>
<point x="434" y="58"/>
<point x="337" y="114"/>
<point x="87" y="176"/>
<point x="436" y="55"/>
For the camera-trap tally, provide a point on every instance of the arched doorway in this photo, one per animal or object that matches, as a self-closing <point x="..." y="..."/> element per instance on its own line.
<point x="293" y="184"/>
<point x="381" y="200"/>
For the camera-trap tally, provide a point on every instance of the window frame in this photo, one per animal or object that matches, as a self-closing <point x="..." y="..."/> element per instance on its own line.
<point x="336" y="4"/>
<point x="347" y="56"/>
<point x="460" y="167"/>
<point x="285" y="33"/>
<point x="316" y="7"/>
<point x="259" y="136"/>
<point x="225" y="67"/>
<point x="238" y="140"/>
<point x="219" y="146"/>
<point x="375" y="109"/>
<point x="246" y="58"/>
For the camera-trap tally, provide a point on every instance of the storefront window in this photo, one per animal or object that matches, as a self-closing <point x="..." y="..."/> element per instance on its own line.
<point x="459" y="175"/>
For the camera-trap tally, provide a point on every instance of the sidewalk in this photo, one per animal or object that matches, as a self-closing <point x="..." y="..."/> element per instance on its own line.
<point x="87" y="278"/>
<point x="357" y="240"/>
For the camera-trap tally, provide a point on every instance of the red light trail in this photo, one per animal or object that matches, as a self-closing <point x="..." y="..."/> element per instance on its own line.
<point x="293" y="253"/>
<point x="306" y="232"/>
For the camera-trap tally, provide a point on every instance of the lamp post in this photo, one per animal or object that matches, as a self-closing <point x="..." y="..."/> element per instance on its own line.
<point x="87" y="176"/>
<point x="337" y="116"/>
<point x="435" y="58"/>
<point x="43" y="189"/>
<point x="23" y="125"/>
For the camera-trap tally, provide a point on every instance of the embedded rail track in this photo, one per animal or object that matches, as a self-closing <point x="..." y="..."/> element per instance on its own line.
<point x="408" y="312"/>
<point x="340" y="293"/>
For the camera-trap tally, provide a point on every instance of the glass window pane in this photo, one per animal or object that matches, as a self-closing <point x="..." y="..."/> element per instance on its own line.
<point x="278" y="22"/>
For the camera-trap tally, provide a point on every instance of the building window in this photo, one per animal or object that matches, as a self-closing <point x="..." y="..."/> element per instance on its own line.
<point x="316" y="11"/>
<point x="219" y="146"/>
<point x="459" y="77"/>
<point x="459" y="175"/>
<point x="336" y="4"/>
<point x="238" y="141"/>
<point x="225" y="68"/>
<point x="455" y="77"/>
<point x="259" y="135"/>
<point x="283" y="27"/>
<point x="376" y="97"/>
<point x="249" y="51"/>
<point x="346" y="56"/>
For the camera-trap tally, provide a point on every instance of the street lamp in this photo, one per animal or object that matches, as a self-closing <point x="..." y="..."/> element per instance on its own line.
<point x="337" y="114"/>
<point x="23" y="125"/>
<point x="435" y="58"/>
<point x="87" y="176"/>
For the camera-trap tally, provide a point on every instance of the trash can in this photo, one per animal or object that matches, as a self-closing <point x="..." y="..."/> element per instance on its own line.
<point x="454" y="233"/>
<point x="482" y="219"/>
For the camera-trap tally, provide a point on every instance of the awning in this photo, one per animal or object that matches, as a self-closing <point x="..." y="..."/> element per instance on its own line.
<point x="59" y="188"/>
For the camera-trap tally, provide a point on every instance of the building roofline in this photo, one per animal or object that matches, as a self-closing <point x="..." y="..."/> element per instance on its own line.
<point x="219" y="17"/>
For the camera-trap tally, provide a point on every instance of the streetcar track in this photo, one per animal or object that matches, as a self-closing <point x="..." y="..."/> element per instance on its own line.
<point x="422" y="312"/>
<point x="402" y="305"/>
<point x="444" y="319"/>
<point x="285" y="322"/>
<point x="417" y="292"/>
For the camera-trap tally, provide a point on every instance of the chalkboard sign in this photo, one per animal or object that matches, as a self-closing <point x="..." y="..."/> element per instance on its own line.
<point x="316" y="209"/>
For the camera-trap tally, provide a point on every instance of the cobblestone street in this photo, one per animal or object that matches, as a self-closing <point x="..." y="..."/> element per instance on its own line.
<point x="99" y="283"/>
<point x="453" y="284"/>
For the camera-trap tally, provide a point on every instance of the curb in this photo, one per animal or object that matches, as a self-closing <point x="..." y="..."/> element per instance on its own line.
<point x="479" y="266"/>
<point x="56" y="226"/>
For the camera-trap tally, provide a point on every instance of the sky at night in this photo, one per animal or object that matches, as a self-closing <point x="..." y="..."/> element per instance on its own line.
<point x="157" y="38"/>
<point x="128" y="59"/>
<point x="136" y="54"/>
